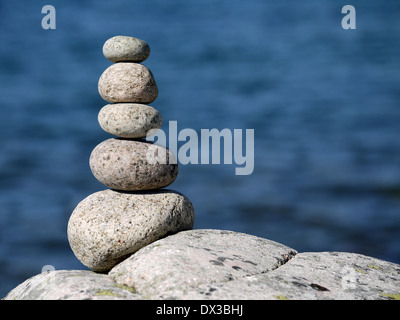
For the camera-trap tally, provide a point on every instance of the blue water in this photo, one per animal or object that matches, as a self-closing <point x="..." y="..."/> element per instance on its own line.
<point x="324" y="104"/>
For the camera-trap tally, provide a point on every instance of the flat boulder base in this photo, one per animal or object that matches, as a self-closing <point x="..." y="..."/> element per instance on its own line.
<point x="108" y="225"/>
<point x="313" y="276"/>
<point x="71" y="285"/>
<point x="174" y="266"/>
<point x="128" y="82"/>
<point x="132" y="165"/>
<point x="224" y="265"/>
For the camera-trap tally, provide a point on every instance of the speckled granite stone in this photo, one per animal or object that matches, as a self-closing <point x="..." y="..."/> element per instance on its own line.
<point x="124" y="48"/>
<point x="127" y="82"/>
<point x="129" y="120"/>
<point x="108" y="226"/>
<point x="126" y="165"/>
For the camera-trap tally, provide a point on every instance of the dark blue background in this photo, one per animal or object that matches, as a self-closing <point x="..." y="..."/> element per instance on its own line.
<point x="324" y="104"/>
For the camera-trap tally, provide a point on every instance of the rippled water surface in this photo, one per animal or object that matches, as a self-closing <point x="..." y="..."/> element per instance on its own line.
<point x="324" y="104"/>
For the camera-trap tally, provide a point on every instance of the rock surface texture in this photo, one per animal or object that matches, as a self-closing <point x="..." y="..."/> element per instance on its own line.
<point x="217" y="264"/>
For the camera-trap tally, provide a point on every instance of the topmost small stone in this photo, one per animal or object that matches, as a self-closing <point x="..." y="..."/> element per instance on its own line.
<point x="124" y="48"/>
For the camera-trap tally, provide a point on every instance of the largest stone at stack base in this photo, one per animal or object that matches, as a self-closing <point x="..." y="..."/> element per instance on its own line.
<point x="218" y="264"/>
<point x="110" y="225"/>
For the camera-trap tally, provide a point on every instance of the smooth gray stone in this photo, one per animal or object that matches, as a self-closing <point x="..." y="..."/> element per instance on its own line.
<point x="124" y="48"/>
<point x="108" y="226"/>
<point x="130" y="165"/>
<point x="127" y="82"/>
<point x="129" y="120"/>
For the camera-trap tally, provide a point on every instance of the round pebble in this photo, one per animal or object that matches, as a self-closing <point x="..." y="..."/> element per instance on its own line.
<point x="124" y="48"/>
<point x="132" y="165"/>
<point x="129" y="120"/>
<point x="128" y="82"/>
<point x="108" y="226"/>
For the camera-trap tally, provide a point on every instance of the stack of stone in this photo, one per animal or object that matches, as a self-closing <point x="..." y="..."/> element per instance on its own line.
<point x="108" y="226"/>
